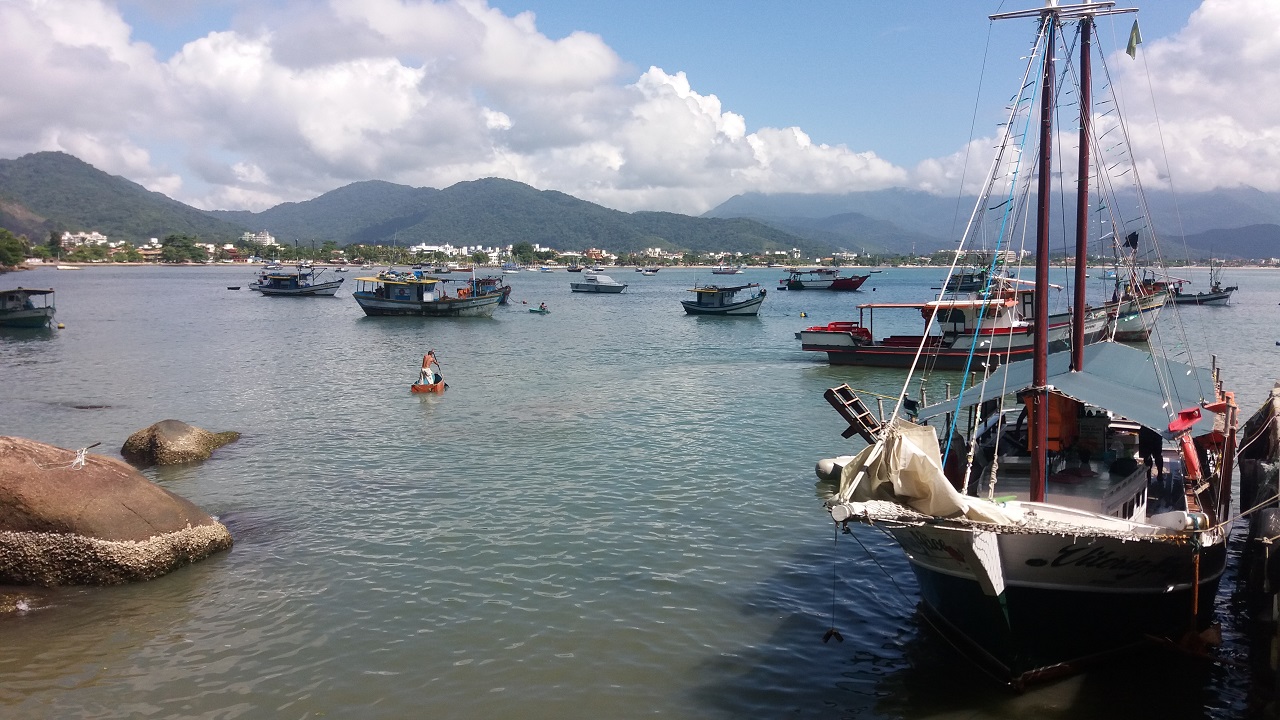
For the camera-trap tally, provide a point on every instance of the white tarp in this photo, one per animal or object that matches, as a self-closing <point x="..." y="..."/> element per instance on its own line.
<point x="906" y="468"/>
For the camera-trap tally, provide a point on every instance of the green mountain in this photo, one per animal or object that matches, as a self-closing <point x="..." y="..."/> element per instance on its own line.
<point x="54" y="191"/>
<point x="898" y="219"/>
<point x="494" y="212"/>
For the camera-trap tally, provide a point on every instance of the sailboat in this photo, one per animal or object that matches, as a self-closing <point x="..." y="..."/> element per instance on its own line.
<point x="1039" y="537"/>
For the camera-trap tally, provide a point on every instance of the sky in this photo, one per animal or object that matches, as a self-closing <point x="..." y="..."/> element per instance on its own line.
<point x="673" y="105"/>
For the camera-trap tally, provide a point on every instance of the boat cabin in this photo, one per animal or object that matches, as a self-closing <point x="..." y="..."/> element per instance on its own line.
<point x="713" y="296"/>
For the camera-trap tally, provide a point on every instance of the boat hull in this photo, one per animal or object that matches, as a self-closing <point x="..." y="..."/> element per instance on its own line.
<point x="848" y="284"/>
<point x="1064" y="600"/>
<point x="479" y="306"/>
<point x="328" y="289"/>
<point x="1135" y="318"/>
<point x="427" y="388"/>
<point x="746" y="308"/>
<point x="1210" y="298"/>
<point x="29" y="318"/>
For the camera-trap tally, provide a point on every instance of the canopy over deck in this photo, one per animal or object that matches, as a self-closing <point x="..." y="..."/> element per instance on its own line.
<point x="1117" y="378"/>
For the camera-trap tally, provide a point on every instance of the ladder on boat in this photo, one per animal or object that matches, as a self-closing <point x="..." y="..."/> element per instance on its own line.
<point x="855" y="412"/>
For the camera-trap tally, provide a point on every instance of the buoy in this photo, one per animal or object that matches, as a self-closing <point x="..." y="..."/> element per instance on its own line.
<point x="61" y="326"/>
<point x="804" y="314"/>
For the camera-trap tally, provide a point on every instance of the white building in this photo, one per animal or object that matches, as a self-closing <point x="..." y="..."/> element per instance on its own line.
<point x="261" y="238"/>
<point x="83" y="238"/>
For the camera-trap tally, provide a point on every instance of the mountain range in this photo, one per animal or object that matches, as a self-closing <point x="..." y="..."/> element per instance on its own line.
<point x="52" y="191"/>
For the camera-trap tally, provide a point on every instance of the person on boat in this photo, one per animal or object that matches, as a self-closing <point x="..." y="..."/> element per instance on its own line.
<point x="543" y="307"/>
<point x="428" y="376"/>
<point x="1151" y="448"/>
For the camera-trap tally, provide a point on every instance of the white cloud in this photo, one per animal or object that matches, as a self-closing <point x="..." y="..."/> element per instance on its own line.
<point x="289" y="102"/>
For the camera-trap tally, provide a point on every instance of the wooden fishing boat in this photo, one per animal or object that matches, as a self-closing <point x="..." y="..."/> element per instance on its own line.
<point x="412" y="293"/>
<point x="1071" y="505"/>
<point x="301" y="283"/>
<point x="720" y="300"/>
<point x="822" y="279"/>
<point x="1217" y="294"/>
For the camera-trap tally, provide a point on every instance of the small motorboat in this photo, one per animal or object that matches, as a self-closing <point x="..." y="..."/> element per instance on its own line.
<point x="233" y="287"/>
<point x="540" y="310"/>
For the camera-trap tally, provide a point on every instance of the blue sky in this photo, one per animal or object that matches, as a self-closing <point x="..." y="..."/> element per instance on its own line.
<point x="635" y="105"/>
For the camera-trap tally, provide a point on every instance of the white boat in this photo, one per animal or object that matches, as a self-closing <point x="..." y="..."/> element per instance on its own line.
<point x="597" y="283"/>
<point x="26" y="308"/>
<point x="66" y="267"/>
<point x="1039" y="537"/>
<point x="302" y="283"/>
<point x="718" y="300"/>
<point x="412" y="293"/>
<point x="726" y="270"/>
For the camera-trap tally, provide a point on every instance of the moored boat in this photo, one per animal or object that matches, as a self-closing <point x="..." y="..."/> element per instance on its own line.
<point x="720" y="300"/>
<point x="726" y="270"/>
<point x="597" y="283"/>
<point x="302" y="283"/>
<point x="411" y="293"/>
<point x="822" y="279"/>
<point x="27" y="307"/>
<point x="1217" y="294"/>
<point x="971" y="333"/>
<point x="1071" y="505"/>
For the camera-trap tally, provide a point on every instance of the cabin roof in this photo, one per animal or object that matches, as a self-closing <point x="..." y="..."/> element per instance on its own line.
<point x="718" y="289"/>
<point x="28" y="291"/>
<point x="949" y="304"/>
<point x="1115" y="377"/>
<point x="400" y="280"/>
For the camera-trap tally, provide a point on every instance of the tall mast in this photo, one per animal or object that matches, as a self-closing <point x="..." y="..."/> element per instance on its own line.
<point x="1082" y="196"/>
<point x="1039" y="397"/>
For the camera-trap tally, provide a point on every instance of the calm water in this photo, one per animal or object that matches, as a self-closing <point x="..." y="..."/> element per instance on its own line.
<point x="611" y="513"/>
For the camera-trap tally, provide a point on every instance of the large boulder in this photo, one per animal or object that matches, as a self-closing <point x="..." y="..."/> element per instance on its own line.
<point x="71" y="518"/>
<point x="172" y="442"/>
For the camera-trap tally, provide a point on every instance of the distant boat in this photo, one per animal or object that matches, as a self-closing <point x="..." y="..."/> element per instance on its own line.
<point x="510" y="268"/>
<point x="19" y="309"/>
<point x="66" y="267"/>
<point x="716" y="300"/>
<point x="295" y="284"/>
<point x="574" y="268"/>
<point x="233" y="287"/>
<point x="822" y="279"/>
<point x="540" y="310"/>
<point x="543" y="268"/>
<point x="1216" y="294"/>
<point x="597" y="283"/>
<point x="726" y="270"/>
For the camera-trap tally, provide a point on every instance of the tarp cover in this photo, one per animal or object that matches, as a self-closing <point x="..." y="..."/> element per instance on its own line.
<point x="906" y="468"/>
<point x="1129" y="382"/>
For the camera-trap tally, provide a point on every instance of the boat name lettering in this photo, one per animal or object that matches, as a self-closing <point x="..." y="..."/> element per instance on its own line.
<point x="1103" y="559"/>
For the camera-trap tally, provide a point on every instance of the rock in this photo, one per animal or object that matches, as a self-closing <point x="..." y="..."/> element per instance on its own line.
<point x="172" y="442"/>
<point x="100" y="522"/>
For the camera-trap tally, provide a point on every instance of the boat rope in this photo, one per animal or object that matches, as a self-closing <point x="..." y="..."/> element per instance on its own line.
<point x="75" y="464"/>
<point x="832" y="632"/>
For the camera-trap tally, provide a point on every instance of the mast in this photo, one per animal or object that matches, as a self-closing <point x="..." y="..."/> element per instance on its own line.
<point x="1082" y="197"/>
<point x="1038" y="396"/>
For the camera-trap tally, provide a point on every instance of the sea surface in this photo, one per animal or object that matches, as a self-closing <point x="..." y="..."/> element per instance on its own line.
<point x="611" y="512"/>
